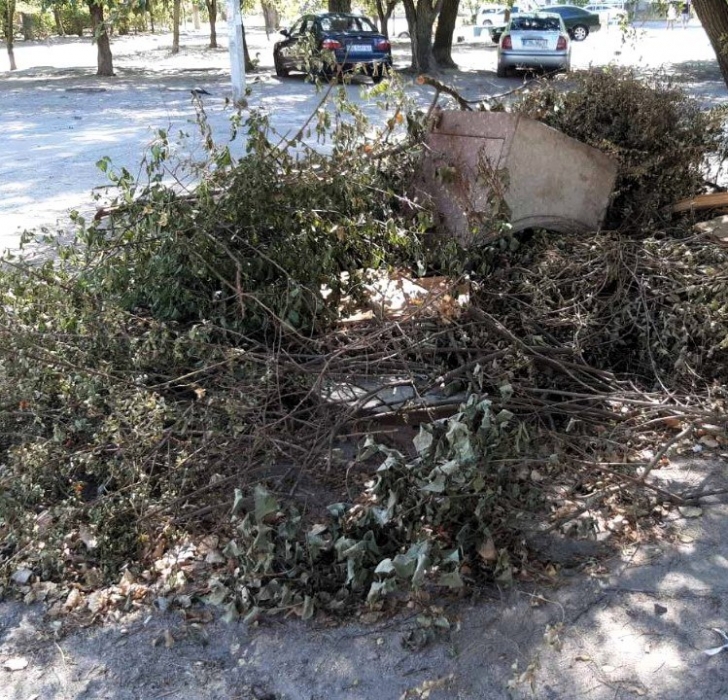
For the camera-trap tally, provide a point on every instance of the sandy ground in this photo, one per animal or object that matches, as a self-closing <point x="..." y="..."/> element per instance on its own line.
<point x="635" y="628"/>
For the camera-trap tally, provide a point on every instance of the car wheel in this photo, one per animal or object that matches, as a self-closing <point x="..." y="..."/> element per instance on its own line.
<point x="487" y="23"/>
<point x="501" y="71"/>
<point x="379" y="73"/>
<point x="281" y="72"/>
<point x="403" y="35"/>
<point x="579" y="32"/>
<point x="329" y="74"/>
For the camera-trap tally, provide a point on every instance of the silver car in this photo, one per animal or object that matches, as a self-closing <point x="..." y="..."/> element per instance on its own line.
<point x="537" y="40"/>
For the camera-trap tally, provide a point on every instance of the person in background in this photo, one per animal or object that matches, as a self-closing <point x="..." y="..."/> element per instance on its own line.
<point x="685" y="14"/>
<point x="671" y="16"/>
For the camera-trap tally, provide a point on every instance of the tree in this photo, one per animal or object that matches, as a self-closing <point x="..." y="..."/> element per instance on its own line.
<point x="175" y="25"/>
<point x="58" y="19"/>
<point x="420" y="18"/>
<point x="212" y="14"/>
<point x="104" y="59"/>
<point x="8" y="14"/>
<point x="385" y="8"/>
<point x="272" y="17"/>
<point x="339" y="5"/>
<point x="442" y="49"/>
<point x="246" y="55"/>
<point x="713" y="15"/>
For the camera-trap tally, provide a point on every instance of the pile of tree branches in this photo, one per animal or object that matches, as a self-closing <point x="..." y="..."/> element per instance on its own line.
<point x="183" y="392"/>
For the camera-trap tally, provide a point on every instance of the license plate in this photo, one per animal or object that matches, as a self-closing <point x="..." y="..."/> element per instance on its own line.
<point x="538" y="43"/>
<point x="360" y="48"/>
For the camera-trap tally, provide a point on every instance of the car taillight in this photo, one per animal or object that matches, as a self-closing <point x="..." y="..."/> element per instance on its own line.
<point x="507" y="43"/>
<point x="330" y="45"/>
<point x="382" y="45"/>
<point x="561" y="44"/>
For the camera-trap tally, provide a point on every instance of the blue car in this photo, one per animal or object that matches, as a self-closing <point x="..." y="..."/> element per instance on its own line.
<point x="332" y="43"/>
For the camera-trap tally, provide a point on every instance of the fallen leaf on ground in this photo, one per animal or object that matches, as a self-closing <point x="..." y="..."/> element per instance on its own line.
<point x="16" y="663"/>
<point x="716" y="650"/>
<point x="487" y="550"/>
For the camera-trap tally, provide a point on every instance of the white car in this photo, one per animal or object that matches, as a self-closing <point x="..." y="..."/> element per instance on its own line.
<point x="609" y="14"/>
<point x="492" y="15"/>
<point x="536" y="40"/>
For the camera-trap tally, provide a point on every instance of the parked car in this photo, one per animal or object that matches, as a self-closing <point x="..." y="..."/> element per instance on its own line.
<point x="609" y="14"/>
<point x="337" y="42"/>
<point x="579" y="22"/>
<point x="492" y="15"/>
<point x="536" y="40"/>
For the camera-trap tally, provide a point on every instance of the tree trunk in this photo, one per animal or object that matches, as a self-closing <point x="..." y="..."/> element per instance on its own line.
<point x="175" y="26"/>
<point x="195" y="15"/>
<point x="713" y="15"/>
<point x="212" y="14"/>
<point x="104" y="59"/>
<point x="9" y="32"/>
<point x="420" y="18"/>
<point x="26" y="24"/>
<point x="248" y="63"/>
<point x="150" y="8"/>
<point x="272" y="18"/>
<point x="58" y="19"/>
<point x="384" y="13"/>
<point x="339" y="5"/>
<point x="442" y="50"/>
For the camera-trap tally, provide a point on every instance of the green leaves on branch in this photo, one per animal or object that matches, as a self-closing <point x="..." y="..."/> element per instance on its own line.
<point x="419" y="523"/>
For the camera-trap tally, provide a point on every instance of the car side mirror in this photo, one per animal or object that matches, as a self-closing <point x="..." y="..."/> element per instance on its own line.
<point x="285" y="32"/>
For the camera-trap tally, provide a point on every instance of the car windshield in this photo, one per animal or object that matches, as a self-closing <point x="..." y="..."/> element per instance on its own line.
<point x="347" y="23"/>
<point x="536" y="24"/>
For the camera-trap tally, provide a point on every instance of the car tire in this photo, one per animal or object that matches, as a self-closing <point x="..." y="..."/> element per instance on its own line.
<point x="379" y="73"/>
<point x="487" y="23"/>
<point x="501" y="71"/>
<point x="329" y="74"/>
<point x="281" y="72"/>
<point x="579" y="32"/>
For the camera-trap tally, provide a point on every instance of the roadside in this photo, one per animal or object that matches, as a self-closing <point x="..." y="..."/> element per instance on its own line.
<point x="59" y="119"/>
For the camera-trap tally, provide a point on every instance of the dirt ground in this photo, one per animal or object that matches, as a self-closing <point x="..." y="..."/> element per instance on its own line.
<point x="633" y="625"/>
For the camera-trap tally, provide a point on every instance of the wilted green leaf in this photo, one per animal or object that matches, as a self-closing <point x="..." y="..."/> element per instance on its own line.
<point x="385" y="567"/>
<point x="451" y="579"/>
<point x="238" y="502"/>
<point x="423" y="440"/>
<point x="265" y="503"/>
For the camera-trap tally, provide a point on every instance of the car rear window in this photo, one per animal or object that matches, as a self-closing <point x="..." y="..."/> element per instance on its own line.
<point x="345" y="24"/>
<point x="536" y="24"/>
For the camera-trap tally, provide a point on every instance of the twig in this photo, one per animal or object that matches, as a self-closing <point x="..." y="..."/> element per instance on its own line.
<point x="663" y="451"/>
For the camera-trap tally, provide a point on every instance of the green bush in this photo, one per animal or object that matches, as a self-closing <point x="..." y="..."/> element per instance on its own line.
<point x="283" y="232"/>
<point x="75" y="19"/>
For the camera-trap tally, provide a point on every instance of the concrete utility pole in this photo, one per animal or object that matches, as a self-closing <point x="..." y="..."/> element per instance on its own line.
<point x="235" y="43"/>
